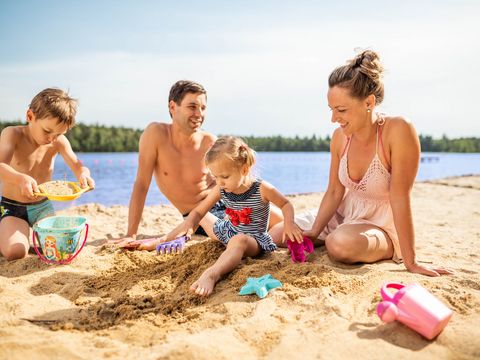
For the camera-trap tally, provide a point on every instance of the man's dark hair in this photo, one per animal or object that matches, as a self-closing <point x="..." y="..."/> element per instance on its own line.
<point x="182" y="88"/>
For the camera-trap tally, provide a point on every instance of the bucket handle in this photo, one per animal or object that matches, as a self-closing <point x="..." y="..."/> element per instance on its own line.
<point x="386" y="295"/>
<point x="61" y="262"/>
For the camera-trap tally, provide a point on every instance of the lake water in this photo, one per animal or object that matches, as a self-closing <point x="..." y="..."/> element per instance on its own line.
<point x="290" y="172"/>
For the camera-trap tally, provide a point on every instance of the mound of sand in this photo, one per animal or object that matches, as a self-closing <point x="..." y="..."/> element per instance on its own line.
<point x="111" y="303"/>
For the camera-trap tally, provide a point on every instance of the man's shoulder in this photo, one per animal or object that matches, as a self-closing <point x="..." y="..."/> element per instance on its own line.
<point x="158" y="127"/>
<point x="156" y="130"/>
<point x="207" y="138"/>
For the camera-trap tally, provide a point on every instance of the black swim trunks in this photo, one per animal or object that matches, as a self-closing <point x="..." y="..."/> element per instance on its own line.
<point x="30" y="212"/>
<point x="218" y="210"/>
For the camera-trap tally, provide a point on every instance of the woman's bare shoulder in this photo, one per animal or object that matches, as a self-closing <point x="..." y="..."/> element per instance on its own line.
<point x="398" y="127"/>
<point x="398" y="122"/>
<point x="338" y="141"/>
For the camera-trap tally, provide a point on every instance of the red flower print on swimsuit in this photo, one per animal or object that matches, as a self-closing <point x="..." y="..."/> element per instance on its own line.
<point x="239" y="216"/>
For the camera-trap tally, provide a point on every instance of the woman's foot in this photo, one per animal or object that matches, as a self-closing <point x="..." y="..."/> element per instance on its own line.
<point x="205" y="283"/>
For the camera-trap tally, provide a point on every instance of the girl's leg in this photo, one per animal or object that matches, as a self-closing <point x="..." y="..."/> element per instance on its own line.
<point x="14" y="234"/>
<point x="239" y="246"/>
<point x="276" y="232"/>
<point x="207" y="224"/>
<point x="276" y="216"/>
<point x="359" y="243"/>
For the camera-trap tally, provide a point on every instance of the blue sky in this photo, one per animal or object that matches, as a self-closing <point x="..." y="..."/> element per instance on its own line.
<point x="264" y="64"/>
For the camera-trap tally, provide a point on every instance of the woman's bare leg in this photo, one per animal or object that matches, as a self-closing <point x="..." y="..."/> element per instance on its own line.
<point x="359" y="243"/>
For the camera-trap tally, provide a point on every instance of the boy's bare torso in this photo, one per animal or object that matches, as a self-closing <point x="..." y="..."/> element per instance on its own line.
<point x="181" y="174"/>
<point x="32" y="159"/>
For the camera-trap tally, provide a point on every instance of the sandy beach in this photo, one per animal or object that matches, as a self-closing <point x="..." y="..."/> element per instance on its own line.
<point x="111" y="303"/>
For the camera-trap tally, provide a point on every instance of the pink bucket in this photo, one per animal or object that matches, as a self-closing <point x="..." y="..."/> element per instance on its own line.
<point x="415" y="307"/>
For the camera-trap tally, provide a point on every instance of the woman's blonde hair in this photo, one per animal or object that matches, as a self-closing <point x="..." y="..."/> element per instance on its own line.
<point x="232" y="148"/>
<point x="362" y="76"/>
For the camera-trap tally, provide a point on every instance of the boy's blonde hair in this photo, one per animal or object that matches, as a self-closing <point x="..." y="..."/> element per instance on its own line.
<point x="232" y="148"/>
<point x="54" y="103"/>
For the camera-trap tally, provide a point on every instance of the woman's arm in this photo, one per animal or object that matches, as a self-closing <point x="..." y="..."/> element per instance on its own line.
<point x="404" y="158"/>
<point x="335" y="190"/>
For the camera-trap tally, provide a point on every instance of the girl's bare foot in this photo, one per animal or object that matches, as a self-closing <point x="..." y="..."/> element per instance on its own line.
<point x="205" y="283"/>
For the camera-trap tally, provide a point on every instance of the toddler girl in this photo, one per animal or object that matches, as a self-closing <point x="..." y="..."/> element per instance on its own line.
<point x="244" y="230"/>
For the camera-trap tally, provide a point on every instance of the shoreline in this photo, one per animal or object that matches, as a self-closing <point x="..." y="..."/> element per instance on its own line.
<point x="111" y="303"/>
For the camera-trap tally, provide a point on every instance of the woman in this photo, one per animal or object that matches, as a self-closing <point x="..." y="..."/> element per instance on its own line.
<point x="365" y="215"/>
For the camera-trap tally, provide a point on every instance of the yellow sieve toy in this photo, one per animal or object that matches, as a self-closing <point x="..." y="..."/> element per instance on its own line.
<point x="59" y="190"/>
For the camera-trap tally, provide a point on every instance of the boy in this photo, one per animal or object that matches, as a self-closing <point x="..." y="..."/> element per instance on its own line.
<point x="27" y="156"/>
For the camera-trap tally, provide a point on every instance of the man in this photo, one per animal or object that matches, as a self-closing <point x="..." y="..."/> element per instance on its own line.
<point x="175" y="153"/>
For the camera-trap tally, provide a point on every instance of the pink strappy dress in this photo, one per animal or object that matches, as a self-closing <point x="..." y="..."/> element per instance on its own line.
<point x="366" y="201"/>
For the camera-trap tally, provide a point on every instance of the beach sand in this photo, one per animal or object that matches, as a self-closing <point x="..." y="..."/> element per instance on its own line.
<point x="111" y="303"/>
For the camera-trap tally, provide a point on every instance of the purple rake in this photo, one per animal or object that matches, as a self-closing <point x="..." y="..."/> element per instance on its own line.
<point x="174" y="246"/>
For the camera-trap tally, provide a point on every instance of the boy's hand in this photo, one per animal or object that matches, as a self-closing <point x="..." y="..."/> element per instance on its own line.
<point x="86" y="181"/>
<point x="293" y="232"/>
<point x="28" y="186"/>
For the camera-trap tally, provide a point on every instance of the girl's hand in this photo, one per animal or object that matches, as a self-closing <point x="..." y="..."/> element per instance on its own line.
<point x="28" y="186"/>
<point x="293" y="232"/>
<point x="429" y="271"/>
<point x="176" y="233"/>
<point x="86" y="181"/>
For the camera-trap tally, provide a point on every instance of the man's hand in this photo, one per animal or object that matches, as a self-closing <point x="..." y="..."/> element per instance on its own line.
<point x="122" y="242"/>
<point x="131" y="243"/>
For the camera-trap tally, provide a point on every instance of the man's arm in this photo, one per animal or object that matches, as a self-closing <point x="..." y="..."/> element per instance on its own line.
<point x="147" y="158"/>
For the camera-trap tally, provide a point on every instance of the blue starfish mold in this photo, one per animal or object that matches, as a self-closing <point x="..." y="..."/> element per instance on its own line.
<point x="261" y="286"/>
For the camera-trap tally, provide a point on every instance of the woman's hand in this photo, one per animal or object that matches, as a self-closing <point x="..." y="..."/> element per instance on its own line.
<point x="311" y="234"/>
<point x="292" y="231"/>
<point x="428" y="270"/>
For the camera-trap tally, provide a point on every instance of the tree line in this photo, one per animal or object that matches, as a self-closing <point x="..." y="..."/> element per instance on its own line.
<point x="99" y="138"/>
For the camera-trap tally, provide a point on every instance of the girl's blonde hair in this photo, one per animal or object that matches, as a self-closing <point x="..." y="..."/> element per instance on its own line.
<point x="232" y="148"/>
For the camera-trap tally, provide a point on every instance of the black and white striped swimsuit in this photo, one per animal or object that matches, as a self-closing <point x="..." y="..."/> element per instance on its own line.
<point x="241" y="220"/>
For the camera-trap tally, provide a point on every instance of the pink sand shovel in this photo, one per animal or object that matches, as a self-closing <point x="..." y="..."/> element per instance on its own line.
<point x="297" y="250"/>
<point x="415" y="307"/>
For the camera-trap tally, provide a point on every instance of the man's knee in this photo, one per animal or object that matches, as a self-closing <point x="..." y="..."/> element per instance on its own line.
<point x="340" y="247"/>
